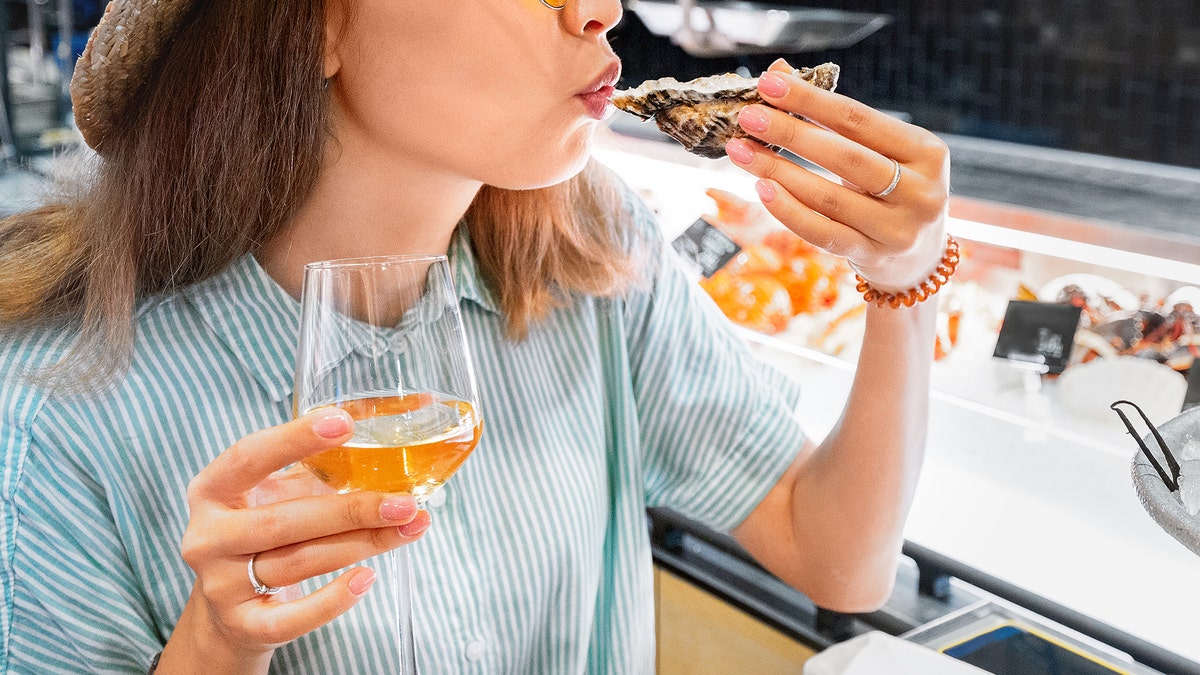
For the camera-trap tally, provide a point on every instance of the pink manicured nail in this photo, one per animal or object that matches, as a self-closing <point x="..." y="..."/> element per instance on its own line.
<point x="398" y="508"/>
<point x="361" y="581"/>
<point x="772" y="85"/>
<point x="765" y="190"/>
<point x="753" y="118"/>
<point x="332" y="424"/>
<point x="739" y="151"/>
<point x="417" y="526"/>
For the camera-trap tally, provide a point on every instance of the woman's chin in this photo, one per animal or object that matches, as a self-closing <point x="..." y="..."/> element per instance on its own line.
<point x="563" y="160"/>
<point x="544" y="175"/>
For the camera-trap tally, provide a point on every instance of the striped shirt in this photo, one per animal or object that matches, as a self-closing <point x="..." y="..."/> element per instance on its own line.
<point x="538" y="560"/>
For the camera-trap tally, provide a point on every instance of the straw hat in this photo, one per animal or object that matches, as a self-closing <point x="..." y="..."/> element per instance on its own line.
<point x="119" y="56"/>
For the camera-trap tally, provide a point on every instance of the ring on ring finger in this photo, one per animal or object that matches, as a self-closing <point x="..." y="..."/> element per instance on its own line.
<point x="259" y="587"/>
<point x="891" y="186"/>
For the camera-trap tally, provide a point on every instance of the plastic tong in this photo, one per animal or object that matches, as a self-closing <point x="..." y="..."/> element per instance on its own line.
<point x="1171" y="481"/>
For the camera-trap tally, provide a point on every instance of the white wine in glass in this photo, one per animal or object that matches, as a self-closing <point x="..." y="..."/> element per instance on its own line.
<point x="407" y="443"/>
<point x="382" y="338"/>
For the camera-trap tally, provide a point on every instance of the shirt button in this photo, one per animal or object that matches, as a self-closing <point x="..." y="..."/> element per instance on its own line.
<point x="436" y="499"/>
<point x="475" y="651"/>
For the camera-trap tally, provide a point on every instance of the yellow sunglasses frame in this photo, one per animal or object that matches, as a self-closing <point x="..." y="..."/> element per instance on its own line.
<point x="555" y="7"/>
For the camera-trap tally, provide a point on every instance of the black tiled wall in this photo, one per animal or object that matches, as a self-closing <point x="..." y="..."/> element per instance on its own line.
<point x="1112" y="77"/>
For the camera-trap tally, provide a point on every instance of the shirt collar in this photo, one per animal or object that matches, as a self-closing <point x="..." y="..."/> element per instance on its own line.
<point x="258" y="320"/>
<point x="467" y="279"/>
<point x="255" y="319"/>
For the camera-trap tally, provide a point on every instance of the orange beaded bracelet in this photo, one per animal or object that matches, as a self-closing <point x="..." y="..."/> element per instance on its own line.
<point x="919" y="293"/>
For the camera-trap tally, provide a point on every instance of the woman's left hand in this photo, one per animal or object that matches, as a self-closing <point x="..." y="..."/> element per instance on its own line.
<point x="893" y="241"/>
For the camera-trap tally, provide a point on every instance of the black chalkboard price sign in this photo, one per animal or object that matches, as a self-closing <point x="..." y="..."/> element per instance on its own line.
<point x="1038" y="335"/>
<point x="706" y="246"/>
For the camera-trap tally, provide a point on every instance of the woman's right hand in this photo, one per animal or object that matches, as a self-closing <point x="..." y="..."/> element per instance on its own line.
<point x="226" y="627"/>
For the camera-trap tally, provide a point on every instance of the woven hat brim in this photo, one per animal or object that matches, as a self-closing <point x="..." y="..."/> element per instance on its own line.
<point x="119" y="56"/>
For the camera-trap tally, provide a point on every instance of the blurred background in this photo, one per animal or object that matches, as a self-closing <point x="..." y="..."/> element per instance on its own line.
<point x="1111" y="77"/>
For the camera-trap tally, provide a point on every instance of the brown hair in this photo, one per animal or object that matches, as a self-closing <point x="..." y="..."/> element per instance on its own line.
<point x="224" y="144"/>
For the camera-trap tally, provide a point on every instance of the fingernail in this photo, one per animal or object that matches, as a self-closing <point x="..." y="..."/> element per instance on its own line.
<point x="739" y="151"/>
<point x="765" y="190"/>
<point x="398" y="508"/>
<point x="361" y="581"/>
<point x="332" y="424"/>
<point x="417" y="526"/>
<point x="772" y="85"/>
<point x="753" y="118"/>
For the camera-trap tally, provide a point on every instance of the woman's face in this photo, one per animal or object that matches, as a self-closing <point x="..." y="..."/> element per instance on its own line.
<point x="491" y="90"/>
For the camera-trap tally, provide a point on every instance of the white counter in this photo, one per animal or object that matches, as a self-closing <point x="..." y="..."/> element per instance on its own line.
<point x="1057" y="518"/>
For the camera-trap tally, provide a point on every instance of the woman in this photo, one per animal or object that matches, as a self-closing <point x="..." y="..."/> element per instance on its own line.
<point x="151" y="325"/>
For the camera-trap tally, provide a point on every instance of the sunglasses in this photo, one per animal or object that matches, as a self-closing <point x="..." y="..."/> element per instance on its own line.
<point x="555" y="4"/>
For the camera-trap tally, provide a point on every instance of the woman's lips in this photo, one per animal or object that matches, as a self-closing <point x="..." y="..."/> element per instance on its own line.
<point x="596" y="96"/>
<point x="597" y="102"/>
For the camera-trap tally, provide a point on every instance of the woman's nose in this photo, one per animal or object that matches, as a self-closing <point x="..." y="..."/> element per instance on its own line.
<point x="591" y="16"/>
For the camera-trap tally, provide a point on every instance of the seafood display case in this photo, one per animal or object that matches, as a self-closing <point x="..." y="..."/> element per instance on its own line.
<point x="1027" y="475"/>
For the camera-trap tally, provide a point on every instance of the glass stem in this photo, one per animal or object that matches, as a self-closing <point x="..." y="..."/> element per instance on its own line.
<point x="402" y="575"/>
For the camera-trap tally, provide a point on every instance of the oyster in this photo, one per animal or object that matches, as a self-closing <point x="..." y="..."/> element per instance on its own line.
<point x="702" y="113"/>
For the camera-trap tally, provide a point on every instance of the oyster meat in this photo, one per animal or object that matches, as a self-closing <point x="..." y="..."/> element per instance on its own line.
<point x="702" y="113"/>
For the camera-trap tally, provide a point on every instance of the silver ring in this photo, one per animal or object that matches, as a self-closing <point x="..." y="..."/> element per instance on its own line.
<point x="557" y="9"/>
<point x="895" y="181"/>
<point x="259" y="587"/>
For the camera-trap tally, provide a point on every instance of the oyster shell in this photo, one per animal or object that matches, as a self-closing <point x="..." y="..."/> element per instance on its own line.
<point x="702" y="113"/>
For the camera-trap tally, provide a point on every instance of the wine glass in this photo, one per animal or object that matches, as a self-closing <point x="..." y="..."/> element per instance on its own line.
<point x="382" y="338"/>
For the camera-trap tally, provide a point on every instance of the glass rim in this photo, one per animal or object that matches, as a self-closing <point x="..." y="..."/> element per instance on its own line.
<point x="367" y="261"/>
